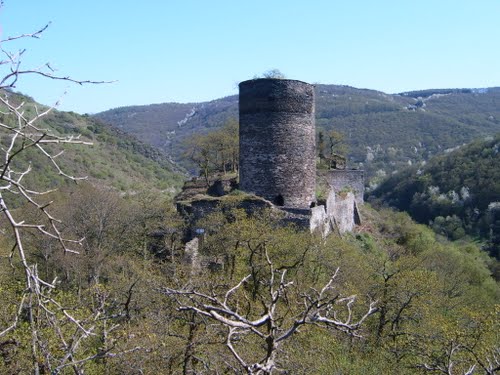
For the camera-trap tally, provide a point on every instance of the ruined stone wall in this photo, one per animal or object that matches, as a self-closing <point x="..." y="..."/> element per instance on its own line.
<point x="193" y="210"/>
<point x="343" y="212"/>
<point x="346" y="180"/>
<point x="277" y="141"/>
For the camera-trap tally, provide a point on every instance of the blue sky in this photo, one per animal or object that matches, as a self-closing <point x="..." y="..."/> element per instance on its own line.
<point x="196" y="50"/>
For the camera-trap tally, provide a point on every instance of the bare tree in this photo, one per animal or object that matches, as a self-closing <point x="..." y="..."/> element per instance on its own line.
<point x="446" y="363"/>
<point x="324" y="307"/>
<point x="20" y="133"/>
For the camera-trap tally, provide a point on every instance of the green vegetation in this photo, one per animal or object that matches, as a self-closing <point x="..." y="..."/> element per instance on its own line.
<point x="169" y="126"/>
<point x="115" y="159"/>
<point x="95" y="277"/>
<point x="272" y="73"/>
<point x="216" y="151"/>
<point x="456" y="194"/>
<point x="435" y="300"/>
<point x="384" y="132"/>
<point x="390" y="298"/>
<point x="332" y="150"/>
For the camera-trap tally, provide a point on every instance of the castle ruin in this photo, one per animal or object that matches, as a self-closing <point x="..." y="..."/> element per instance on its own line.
<point x="278" y="141"/>
<point x="278" y="162"/>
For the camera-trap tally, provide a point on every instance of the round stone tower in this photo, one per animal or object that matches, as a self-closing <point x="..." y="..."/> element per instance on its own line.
<point x="277" y="141"/>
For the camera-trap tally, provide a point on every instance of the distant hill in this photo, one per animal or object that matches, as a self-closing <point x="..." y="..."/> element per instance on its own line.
<point x="116" y="159"/>
<point x="457" y="193"/>
<point x="385" y="132"/>
<point x="167" y="125"/>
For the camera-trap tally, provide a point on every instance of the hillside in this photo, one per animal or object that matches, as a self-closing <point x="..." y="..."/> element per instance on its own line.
<point x="115" y="159"/>
<point x="385" y="132"/>
<point x="457" y="193"/>
<point x="427" y="296"/>
<point x="167" y="125"/>
<point x="389" y="298"/>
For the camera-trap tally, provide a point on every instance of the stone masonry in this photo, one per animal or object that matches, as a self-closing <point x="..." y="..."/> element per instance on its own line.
<point x="343" y="180"/>
<point x="277" y="141"/>
<point x="277" y="169"/>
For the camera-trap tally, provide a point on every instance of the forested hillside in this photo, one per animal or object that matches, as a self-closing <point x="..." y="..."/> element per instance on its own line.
<point x="100" y="273"/>
<point x="388" y="299"/>
<point x="115" y="159"/>
<point x="96" y="281"/>
<point x="385" y="132"/>
<point x="457" y="193"/>
<point x="168" y="125"/>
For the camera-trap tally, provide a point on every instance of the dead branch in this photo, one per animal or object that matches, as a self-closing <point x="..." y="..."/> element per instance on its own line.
<point x="20" y="131"/>
<point x="322" y="308"/>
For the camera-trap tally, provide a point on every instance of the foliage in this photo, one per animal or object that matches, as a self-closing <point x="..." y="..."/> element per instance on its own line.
<point x="46" y="328"/>
<point x="273" y="73"/>
<point x="331" y="149"/>
<point x="431" y="295"/>
<point x="115" y="159"/>
<point x="384" y="132"/>
<point x="216" y="151"/>
<point x="455" y="193"/>
<point x="260" y="297"/>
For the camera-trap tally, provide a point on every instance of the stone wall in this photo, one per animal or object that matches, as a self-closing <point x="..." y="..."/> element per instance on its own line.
<point x="193" y="210"/>
<point x="277" y="141"/>
<point x="320" y="221"/>
<point x="338" y="215"/>
<point x="343" y="212"/>
<point x="346" y="180"/>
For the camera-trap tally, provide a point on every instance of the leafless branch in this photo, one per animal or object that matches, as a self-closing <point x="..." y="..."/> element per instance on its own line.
<point x="100" y="355"/>
<point x="16" y="318"/>
<point x="20" y="131"/>
<point x="318" y="308"/>
<point x="37" y="34"/>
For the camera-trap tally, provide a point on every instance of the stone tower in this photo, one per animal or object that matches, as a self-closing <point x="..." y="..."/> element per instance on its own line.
<point x="277" y="141"/>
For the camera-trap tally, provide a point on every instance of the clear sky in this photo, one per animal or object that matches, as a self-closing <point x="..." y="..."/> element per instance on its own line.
<point x="198" y="50"/>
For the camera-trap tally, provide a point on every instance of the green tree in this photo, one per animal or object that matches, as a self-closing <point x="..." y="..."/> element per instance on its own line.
<point x="264" y="294"/>
<point x="332" y="149"/>
<point x="216" y="151"/>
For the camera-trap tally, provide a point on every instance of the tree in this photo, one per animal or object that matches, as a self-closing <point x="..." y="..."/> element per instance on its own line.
<point x="332" y="152"/>
<point x="21" y="134"/>
<point x="320" y="307"/>
<point x="273" y="73"/>
<point x="229" y="134"/>
<point x="216" y="151"/>
<point x="260" y="312"/>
